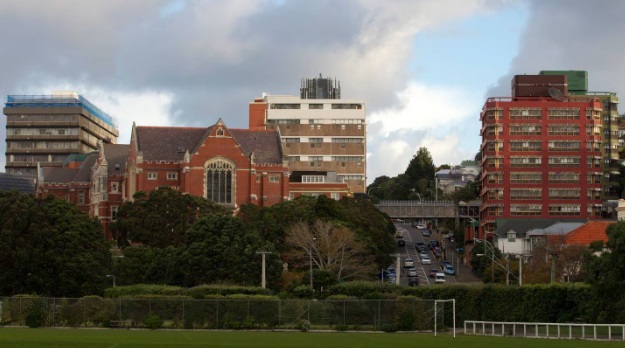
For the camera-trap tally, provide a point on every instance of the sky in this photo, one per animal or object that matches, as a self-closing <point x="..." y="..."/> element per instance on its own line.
<point x="424" y="67"/>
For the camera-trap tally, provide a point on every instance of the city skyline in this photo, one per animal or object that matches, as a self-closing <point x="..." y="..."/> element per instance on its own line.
<point x="424" y="68"/>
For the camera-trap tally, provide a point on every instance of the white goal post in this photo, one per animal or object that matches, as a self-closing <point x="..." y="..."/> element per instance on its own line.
<point x="436" y="302"/>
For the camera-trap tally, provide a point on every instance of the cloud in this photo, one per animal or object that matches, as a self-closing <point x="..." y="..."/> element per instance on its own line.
<point x="190" y="62"/>
<point x="438" y="118"/>
<point x="576" y="35"/>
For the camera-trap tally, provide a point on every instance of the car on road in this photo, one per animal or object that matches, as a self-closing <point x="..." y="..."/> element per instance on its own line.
<point x="425" y="259"/>
<point x="412" y="272"/>
<point x="449" y="269"/>
<point x="399" y="234"/>
<point x="433" y="244"/>
<point x="437" y="251"/>
<point x="420" y="226"/>
<point x="408" y="263"/>
<point x="418" y="245"/>
<point x="433" y="272"/>
<point x="439" y="278"/>
<point x="426" y="233"/>
<point x="413" y="281"/>
<point x="401" y="243"/>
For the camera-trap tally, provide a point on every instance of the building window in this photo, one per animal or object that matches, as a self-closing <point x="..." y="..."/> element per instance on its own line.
<point x="315" y="142"/>
<point x="564" y="209"/>
<point x="81" y="197"/>
<point x="172" y="176"/>
<point x="315" y="161"/>
<point x="335" y="195"/>
<point x="313" y="178"/>
<point x="564" y="177"/>
<point x="220" y="132"/>
<point x="152" y="175"/>
<point x="526" y="177"/>
<point x="565" y="193"/>
<point x="511" y="237"/>
<point x="529" y="161"/>
<point x="526" y="193"/>
<point x="525" y="209"/>
<point x="525" y="129"/>
<point x="573" y="161"/>
<point x="114" y="187"/>
<point x="220" y="181"/>
<point x="114" y="210"/>
<point x="563" y="113"/>
<point x="315" y="106"/>
<point x="274" y="178"/>
<point x="525" y="145"/>
<point x="525" y="113"/>
<point x="346" y="106"/>
<point x="285" y="106"/>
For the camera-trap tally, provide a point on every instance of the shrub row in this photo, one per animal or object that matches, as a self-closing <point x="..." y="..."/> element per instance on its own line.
<point x="197" y="292"/>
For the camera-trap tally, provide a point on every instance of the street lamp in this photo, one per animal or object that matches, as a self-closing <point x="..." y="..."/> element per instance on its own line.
<point x="111" y="276"/>
<point x="311" y="263"/>
<point x="492" y="257"/>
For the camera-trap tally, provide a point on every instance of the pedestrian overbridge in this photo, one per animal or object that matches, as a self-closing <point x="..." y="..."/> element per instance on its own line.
<point x="429" y="209"/>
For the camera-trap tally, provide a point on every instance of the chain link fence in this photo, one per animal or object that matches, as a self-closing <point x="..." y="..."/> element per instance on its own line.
<point x="372" y="315"/>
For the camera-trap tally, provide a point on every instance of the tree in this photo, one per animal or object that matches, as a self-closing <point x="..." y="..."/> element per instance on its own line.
<point x="606" y="271"/>
<point x="421" y="166"/>
<point x="466" y="193"/>
<point x="51" y="248"/>
<point x="331" y="247"/>
<point x="482" y="264"/>
<point x="161" y="218"/>
<point x="218" y="249"/>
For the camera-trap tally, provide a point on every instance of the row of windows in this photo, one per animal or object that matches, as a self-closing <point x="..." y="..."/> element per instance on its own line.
<point x="42" y="131"/>
<point x="531" y="193"/>
<point x="43" y="118"/>
<point x="537" y="113"/>
<point x="536" y="209"/>
<point x="555" y="145"/>
<point x="42" y="145"/>
<point x="536" y="129"/>
<point x="169" y="175"/>
<point x="537" y="177"/>
<point x="335" y="106"/>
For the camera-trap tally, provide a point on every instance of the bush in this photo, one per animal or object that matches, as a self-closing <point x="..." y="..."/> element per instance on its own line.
<point x="36" y="314"/>
<point x="153" y="322"/>
<point x="143" y="289"/>
<point x="201" y="291"/>
<point x="341" y="327"/>
<point x="389" y="328"/>
<point x="303" y="325"/>
<point x="89" y="311"/>
<point x="303" y="291"/>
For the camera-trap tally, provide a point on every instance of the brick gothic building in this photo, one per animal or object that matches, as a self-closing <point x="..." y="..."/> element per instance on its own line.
<point x="228" y="166"/>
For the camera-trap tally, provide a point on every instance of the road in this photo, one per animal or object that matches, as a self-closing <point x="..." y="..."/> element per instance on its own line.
<point x="411" y="236"/>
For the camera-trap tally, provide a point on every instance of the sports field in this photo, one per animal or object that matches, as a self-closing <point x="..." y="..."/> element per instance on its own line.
<point x="119" y="338"/>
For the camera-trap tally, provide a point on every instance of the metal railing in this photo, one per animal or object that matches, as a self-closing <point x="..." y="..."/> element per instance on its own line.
<point x="612" y="332"/>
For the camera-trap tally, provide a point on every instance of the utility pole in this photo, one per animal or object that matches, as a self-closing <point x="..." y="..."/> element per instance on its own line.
<point x="397" y="267"/>
<point x="507" y="271"/>
<point x="553" y="268"/>
<point x="520" y="270"/>
<point x="263" y="279"/>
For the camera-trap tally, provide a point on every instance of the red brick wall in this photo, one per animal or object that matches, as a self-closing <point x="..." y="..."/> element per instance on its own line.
<point x="257" y="115"/>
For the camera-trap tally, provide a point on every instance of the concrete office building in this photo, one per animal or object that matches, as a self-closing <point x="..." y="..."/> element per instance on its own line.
<point x="46" y="129"/>
<point x="321" y="133"/>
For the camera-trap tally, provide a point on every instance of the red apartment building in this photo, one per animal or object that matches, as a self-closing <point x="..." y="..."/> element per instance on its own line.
<point x="541" y="155"/>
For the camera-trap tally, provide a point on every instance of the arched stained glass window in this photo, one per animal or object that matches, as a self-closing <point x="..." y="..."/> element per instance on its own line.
<point x="220" y="181"/>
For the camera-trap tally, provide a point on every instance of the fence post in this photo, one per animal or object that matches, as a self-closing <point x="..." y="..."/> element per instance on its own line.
<point x="183" y="313"/>
<point x="343" y="312"/>
<point x="217" y="323"/>
<point x="53" y="311"/>
<point x="379" y="317"/>
<point x="21" y="312"/>
<point x="279" y="312"/>
<point x="84" y="314"/>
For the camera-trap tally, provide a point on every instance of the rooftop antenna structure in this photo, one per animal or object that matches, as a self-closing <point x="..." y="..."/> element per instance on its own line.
<point x="556" y="94"/>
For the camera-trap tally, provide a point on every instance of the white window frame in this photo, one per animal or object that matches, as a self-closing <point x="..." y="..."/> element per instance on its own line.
<point x="152" y="175"/>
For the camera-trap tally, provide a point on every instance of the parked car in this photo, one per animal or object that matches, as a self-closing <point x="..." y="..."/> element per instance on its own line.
<point x="439" y="278"/>
<point x="420" y="226"/>
<point x="437" y="251"/>
<point x="433" y="244"/>
<point x="419" y="245"/>
<point x="426" y="233"/>
<point x="399" y="234"/>
<point x="449" y="269"/>
<point x="433" y="272"/>
<point x="423" y="254"/>
<point x="413" y="281"/>
<point x="408" y="263"/>
<point x="401" y="243"/>
<point x="412" y="272"/>
<point x="426" y="260"/>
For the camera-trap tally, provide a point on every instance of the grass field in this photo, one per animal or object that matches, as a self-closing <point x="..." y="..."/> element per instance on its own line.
<point x="119" y="338"/>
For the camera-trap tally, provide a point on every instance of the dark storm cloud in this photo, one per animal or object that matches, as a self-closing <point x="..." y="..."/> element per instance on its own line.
<point x="572" y="35"/>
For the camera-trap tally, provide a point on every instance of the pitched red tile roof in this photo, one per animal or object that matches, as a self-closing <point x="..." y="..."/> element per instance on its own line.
<point x="592" y="231"/>
<point x="116" y="154"/>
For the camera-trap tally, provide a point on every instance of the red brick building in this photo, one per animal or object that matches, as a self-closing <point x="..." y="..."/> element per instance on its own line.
<point x="227" y="166"/>
<point x="541" y="158"/>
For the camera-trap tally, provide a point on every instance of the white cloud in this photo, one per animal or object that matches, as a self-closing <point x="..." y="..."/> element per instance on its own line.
<point x="442" y="119"/>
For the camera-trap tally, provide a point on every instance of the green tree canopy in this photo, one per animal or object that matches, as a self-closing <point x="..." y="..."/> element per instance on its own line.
<point x="606" y="271"/>
<point x="51" y="248"/>
<point x="421" y="166"/>
<point x="161" y="218"/>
